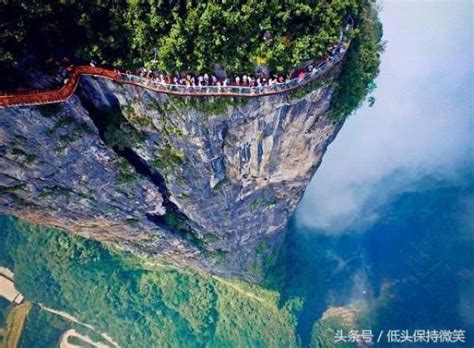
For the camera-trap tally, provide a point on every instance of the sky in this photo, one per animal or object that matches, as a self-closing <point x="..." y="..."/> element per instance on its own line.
<point x="421" y="124"/>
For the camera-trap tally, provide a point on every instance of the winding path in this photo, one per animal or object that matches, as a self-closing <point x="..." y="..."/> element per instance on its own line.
<point x="69" y="317"/>
<point x="64" y="342"/>
<point x="26" y="98"/>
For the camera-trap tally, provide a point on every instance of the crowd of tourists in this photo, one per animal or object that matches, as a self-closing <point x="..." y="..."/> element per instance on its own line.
<point x="261" y="80"/>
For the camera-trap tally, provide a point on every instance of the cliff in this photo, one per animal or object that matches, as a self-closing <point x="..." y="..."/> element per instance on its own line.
<point x="208" y="183"/>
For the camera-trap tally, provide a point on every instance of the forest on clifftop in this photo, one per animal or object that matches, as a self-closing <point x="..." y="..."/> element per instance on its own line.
<point x="195" y="36"/>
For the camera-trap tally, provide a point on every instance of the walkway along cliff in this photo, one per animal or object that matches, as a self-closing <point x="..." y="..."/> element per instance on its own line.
<point x="203" y="182"/>
<point x="38" y="97"/>
<point x="61" y="95"/>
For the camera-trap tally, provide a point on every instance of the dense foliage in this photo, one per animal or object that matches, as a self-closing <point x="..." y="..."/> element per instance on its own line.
<point x="197" y="36"/>
<point x="413" y="271"/>
<point x="4" y="304"/>
<point x="137" y="307"/>
<point x="50" y="326"/>
<point x="188" y="35"/>
<point x="361" y="66"/>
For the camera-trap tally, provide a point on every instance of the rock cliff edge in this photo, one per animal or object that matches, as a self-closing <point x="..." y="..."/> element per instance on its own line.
<point x="207" y="183"/>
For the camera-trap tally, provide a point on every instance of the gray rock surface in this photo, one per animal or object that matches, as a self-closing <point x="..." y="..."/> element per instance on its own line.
<point x="203" y="185"/>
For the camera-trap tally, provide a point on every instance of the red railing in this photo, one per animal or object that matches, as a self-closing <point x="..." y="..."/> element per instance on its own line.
<point x="22" y="98"/>
<point x="62" y="94"/>
<point x="57" y="95"/>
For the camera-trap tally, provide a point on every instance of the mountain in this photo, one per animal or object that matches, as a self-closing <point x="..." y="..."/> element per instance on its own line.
<point x="203" y="182"/>
<point x="209" y="185"/>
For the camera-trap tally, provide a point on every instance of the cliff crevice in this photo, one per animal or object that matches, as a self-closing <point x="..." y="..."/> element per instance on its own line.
<point x="207" y="183"/>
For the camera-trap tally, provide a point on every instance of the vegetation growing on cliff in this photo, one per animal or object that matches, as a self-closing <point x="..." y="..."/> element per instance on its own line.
<point x="196" y="35"/>
<point x="118" y="131"/>
<point x="361" y="66"/>
<point x="164" y="307"/>
<point x="137" y="307"/>
<point x="168" y="158"/>
<point x="50" y="327"/>
<point x="188" y="35"/>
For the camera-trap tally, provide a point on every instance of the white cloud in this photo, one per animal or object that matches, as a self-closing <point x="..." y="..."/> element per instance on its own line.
<point x="420" y="125"/>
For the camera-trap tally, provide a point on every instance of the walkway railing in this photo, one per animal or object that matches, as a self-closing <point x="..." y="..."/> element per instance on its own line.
<point x="235" y="90"/>
<point x="57" y="95"/>
<point x="23" y="98"/>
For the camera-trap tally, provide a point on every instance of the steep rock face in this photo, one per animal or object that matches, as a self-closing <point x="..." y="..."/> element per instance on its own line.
<point x="192" y="181"/>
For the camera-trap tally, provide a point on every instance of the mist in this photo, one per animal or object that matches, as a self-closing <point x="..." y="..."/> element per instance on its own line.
<point x="420" y="126"/>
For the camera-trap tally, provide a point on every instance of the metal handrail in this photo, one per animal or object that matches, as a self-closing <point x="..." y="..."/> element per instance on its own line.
<point x="63" y="93"/>
<point x="231" y="89"/>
